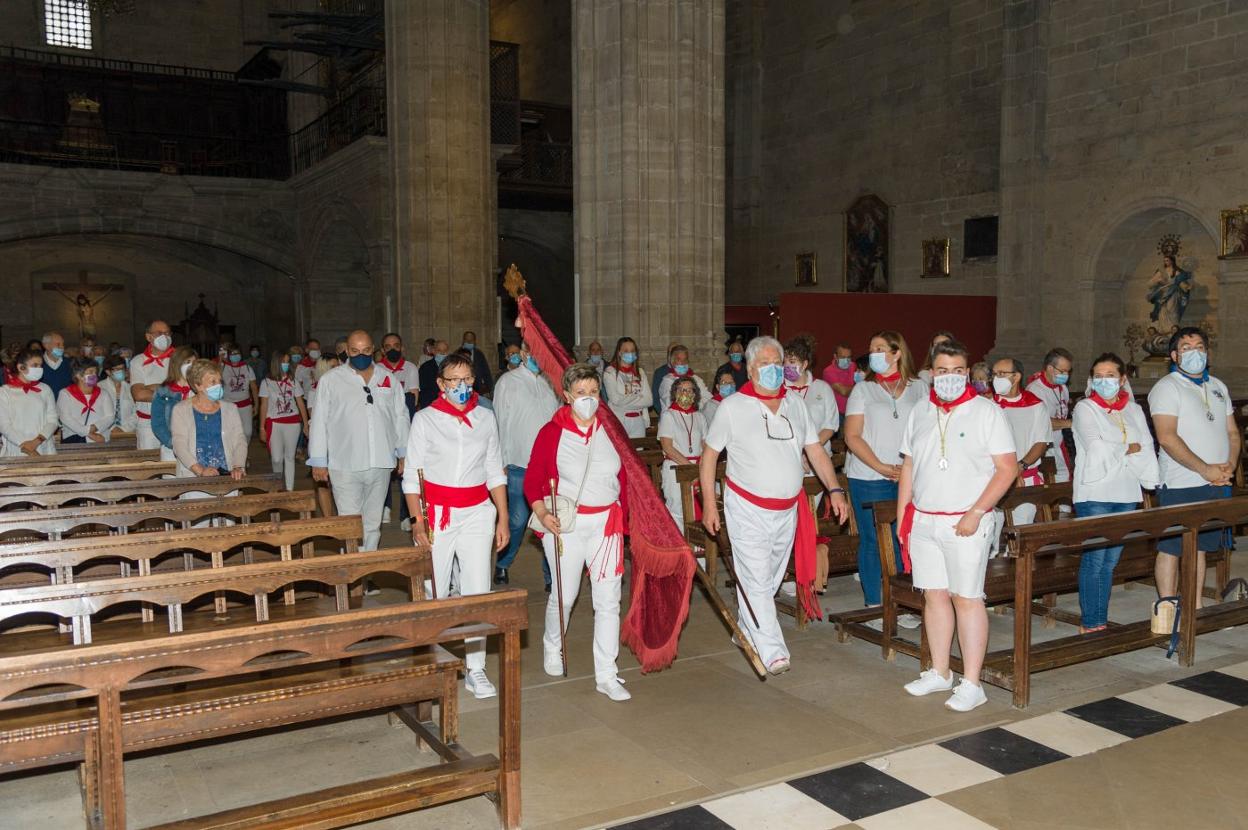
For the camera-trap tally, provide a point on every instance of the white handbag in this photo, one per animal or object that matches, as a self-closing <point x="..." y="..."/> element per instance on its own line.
<point x="563" y="507"/>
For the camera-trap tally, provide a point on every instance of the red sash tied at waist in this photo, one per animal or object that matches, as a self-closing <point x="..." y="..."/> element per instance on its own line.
<point x="632" y="414"/>
<point x="243" y="404"/>
<point x="803" y="543"/>
<point x="145" y="416"/>
<point x="907" y="524"/>
<point x="612" y="538"/>
<point x="269" y="422"/>
<point x="438" y="495"/>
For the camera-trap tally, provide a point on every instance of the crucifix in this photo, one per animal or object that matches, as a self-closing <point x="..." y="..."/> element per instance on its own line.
<point x="83" y="304"/>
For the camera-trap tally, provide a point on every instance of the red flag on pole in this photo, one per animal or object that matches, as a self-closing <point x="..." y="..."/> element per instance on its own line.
<point x="662" y="563"/>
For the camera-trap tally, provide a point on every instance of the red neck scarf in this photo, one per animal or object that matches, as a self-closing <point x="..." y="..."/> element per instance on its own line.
<point x="968" y="394"/>
<point x="628" y="369"/>
<point x="679" y="408"/>
<point x="563" y="417"/>
<point x="307" y="361"/>
<point x="159" y="359"/>
<point x="1025" y="399"/>
<point x="184" y="391"/>
<point x="88" y="405"/>
<point x="441" y="404"/>
<point x="748" y="390"/>
<point x="1119" y="403"/>
<point x="393" y="367"/>
<point x="888" y="378"/>
<point x="16" y="380"/>
<point x="715" y="396"/>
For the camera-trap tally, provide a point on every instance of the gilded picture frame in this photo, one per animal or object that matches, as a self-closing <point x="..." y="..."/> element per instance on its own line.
<point x="935" y="259"/>
<point x="1234" y="227"/>
<point x="805" y="270"/>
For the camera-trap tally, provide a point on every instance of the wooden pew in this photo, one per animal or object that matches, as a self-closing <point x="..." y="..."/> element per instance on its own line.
<point x="115" y="492"/>
<point x="119" y="440"/>
<point x="695" y="534"/>
<point x="648" y="443"/>
<point x="653" y="459"/>
<point x="42" y="475"/>
<point x="95" y="703"/>
<point x="71" y="459"/>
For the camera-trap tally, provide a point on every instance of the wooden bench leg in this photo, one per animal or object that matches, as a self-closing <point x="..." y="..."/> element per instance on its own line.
<point x="424" y="714"/>
<point x="89" y="782"/>
<point x="448" y="708"/>
<point x="110" y="771"/>
<point x="509" y="731"/>
<point x="1050" y="619"/>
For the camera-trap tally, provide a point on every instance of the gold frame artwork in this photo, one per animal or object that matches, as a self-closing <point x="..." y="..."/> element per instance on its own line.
<point x="935" y="252"/>
<point x="1234" y="228"/>
<point x="804" y="277"/>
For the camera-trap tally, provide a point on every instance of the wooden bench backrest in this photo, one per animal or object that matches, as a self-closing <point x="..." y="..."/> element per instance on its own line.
<point x="647" y="443"/>
<point x="67" y="458"/>
<point x="87" y="473"/>
<point x="113" y="492"/>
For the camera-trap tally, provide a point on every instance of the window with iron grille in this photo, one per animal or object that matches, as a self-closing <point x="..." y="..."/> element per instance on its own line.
<point x="67" y="23"/>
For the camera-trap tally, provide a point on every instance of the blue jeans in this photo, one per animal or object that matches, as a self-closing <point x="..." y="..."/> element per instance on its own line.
<point x="861" y="493"/>
<point x="1096" y="567"/>
<point x="517" y="519"/>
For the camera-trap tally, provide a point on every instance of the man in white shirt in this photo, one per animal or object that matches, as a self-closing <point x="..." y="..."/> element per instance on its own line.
<point x="358" y="431"/>
<point x="958" y="462"/>
<point x="1195" y="424"/>
<point x="766" y="434"/>
<point x="1028" y="418"/>
<point x="523" y="404"/>
<point x="680" y="369"/>
<point x="1050" y="387"/>
<point x="393" y="359"/>
<point x="454" y="444"/>
<point x="148" y="371"/>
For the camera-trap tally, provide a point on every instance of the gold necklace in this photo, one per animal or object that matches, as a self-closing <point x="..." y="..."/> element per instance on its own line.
<point x="943" y="429"/>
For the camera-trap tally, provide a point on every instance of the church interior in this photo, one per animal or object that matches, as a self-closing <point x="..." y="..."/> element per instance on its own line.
<point x="498" y="204"/>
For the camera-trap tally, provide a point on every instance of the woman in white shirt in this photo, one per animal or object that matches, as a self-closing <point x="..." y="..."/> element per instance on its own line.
<point x="84" y="408"/>
<point x="282" y="415"/>
<point x="1114" y="463"/>
<point x="27" y="409"/>
<point x="627" y="389"/>
<point x="116" y="381"/>
<point x="817" y="394"/>
<point x="941" y="336"/>
<point x="725" y="385"/>
<point x="875" y="419"/>
<point x="681" y="430"/>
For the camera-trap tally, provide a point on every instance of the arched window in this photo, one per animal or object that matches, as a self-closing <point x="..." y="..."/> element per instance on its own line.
<point x="67" y="23"/>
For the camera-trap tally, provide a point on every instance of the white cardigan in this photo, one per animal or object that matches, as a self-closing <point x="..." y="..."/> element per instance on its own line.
<point x="1103" y="470"/>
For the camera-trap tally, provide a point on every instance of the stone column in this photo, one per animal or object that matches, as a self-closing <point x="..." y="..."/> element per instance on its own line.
<point x="438" y="125"/>
<point x="648" y="110"/>
<point x="1230" y="350"/>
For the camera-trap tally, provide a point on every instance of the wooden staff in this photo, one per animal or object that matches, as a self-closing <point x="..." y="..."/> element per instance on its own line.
<point x="563" y="642"/>
<point x="424" y="520"/>
<point x="726" y="548"/>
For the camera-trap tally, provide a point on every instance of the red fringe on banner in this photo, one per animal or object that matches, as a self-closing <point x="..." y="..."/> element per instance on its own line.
<point x="662" y="575"/>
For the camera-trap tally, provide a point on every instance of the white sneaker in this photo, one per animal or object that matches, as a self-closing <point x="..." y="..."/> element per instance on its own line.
<point x="553" y="667"/>
<point x="966" y="697"/>
<point x="778" y="666"/>
<point x="928" y="682"/>
<point x="370" y="588"/>
<point x="479" y="685"/>
<point x="406" y="525"/>
<point x="385" y="516"/>
<point x="789" y="589"/>
<point x="909" y="621"/>
<point x="614" y="689"/>
<point x="877" y="624"/>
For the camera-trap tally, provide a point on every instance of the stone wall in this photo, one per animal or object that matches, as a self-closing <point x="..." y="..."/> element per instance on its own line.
<point x="543" y="30"/>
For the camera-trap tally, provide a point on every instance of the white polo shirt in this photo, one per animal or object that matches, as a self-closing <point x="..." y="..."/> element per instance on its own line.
<point x="148" y="372"/>
<point x="974" y="432"/>
<point x="770" y="467"/>
<point x="451" y="453"/>
<point x="883" y="423"/>
<point x="820" y="404"/>
<point x="523" y="404"/>
<point x="687" y="430"/>
<point x="1202" y="410"/>
<point x="1057" y="402"/>
<point x="1029" y="425"/>
<point x="1103" y="470"/>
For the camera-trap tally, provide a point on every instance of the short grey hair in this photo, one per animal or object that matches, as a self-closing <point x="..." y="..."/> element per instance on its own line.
<point x="46" y="340"/>
<point x="756" y="347"/>
<point x="578" y="372"/>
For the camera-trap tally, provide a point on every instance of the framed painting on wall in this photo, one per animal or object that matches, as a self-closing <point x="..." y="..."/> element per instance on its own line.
<point x="1235" y="232"/>
<point x="805" y="273"/>
<point x="935" y="258"/>
<point x="866" y="245"/>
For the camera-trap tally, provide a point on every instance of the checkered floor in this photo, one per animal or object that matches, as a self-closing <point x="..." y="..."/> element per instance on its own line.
<point x="900" y="790"/>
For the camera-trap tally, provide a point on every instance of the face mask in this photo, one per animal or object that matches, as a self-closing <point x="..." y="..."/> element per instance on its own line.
<point x="99" y="360"/>
<point x="119" y="376"/>
<point x="1107" y="388"/>
<point x="680" y="368"/>
<point x="342" y="357"/>
<point x="844" y="362"/>
<point x="33" y="374"/>
<point x="1002" y="386"/>
<point x="315" y="354"/>
<point x="215" y="392"/>
<point x="1193" y="362"/>
<point x="726" y="389"/>
<point x="1061" y="379"/>
<point x="186" y="367"/>
<point x="160" y="342"/>
<point x="58" y="353"/>
<point x="878" y="362"/>
<point x="791" y="372"/>
<point x="585" y="407"/>
<point x="949" y="387"/>
<point x="469" y="346"/>
<point x="531" y="363"/>
<point x="684" y="400"/>
<point x="438" y="358"/>
<point x="296" y="354"/>
<point x="628" y="358"/>
<point x="595" y="359"/>
<point x="236" y="357"/>
<point x="459" y="393"/>
<point x="285" y="368"/>
<point x="393" y="355"/>
<point x="859" y="377"/>
<point x="90" y="380"/>
<point x="736" y="357"/>
<point x="255" y="352"/>
<point x="514" y="359"/>
<point x="771" y="376"/>
<point x="360" y="362"/>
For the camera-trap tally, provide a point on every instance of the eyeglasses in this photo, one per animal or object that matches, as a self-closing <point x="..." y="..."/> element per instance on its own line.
<point x="369" y="393"/>
<point x="788" y="425"/>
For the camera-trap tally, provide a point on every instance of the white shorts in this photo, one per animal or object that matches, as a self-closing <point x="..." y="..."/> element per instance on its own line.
<point x="942" y="560"/>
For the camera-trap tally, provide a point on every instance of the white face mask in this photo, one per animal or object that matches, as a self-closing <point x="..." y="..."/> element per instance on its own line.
<point x="1002" y="386"/>
<point x="33" y="374"/>
<point x="949" y="387"/>
<point x="160" y="342"/>
<point x="585" y="407"/>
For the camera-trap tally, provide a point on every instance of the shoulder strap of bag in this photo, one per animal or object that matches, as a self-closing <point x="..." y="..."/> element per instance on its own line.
<point x="589" y="456"/>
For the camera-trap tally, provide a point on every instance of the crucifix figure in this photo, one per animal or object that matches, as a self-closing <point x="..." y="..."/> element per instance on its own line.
<point x="83" y="304"/>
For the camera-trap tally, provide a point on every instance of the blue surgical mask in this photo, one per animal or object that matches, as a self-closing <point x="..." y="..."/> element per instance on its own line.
<point x="120" y="375"/>
<point x="285" y="368"/>
<point x="438" y="358"/>
<point x="1061" y="379"/>
<point x="878" y="362"/>
<point x="726" y="389"/>
<point x="859" y="377"/>
<point x="680" y="368"/>
<point x="771" y="376"/>
<point x="595" y="359"/>
<point x="255" y="352"/>
<point x="1193" y="362"/>
<point x="215" y="392"/>
<point x="469" y="346"/>
<point x="360" y="362"/>
<point x="459" y="393"/>
<point x="1107" y="388"/>
<point x="58" y="353"/>
<point x="628" y="358"/>
<point x="531" y="362"/>
<point x="736" y="357"/>
<point x="514" y="359"/>
<point x="844" y="362"/>
<point x="99" y="360"/>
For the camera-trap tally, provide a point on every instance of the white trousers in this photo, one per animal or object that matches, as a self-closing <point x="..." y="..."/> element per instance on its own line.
<point x="144" y="438"/>
<point x="761" y="543"/>
<point x="671" y="494"/>
<point x="468" y="541"/>
<point x="362" y="494"/>
<point x="282" y="443"/>
<point x="579" y="548"/>
<point x="635" y="427"/>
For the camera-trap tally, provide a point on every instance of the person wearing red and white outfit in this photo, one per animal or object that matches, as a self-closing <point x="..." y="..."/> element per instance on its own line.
<point x="239" y="381"/>
<point x="680" y="369"/>
<point x="27" y="410"/>
<point x="725" y="385"/>
<point x="409" y="376"/>
<point x="573" y="449"/>
<point x="283" y="416"/>
<point x="454" y="442"/>
<point x="148" y="371"/>
<point x="306" y="366"/>
<point x="818" y="396"/>
<point x="767" y="434"/>
<point x="959" y="462"/>
<point x="682" y="428"/>
<point x="1050" y="387"/>
<point x="85" y="409"/>
<point x="1028" y="418"/>
<point x="628" y="392"/>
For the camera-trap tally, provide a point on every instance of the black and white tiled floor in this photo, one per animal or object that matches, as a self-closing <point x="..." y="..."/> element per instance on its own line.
<point x="899" y="791"/>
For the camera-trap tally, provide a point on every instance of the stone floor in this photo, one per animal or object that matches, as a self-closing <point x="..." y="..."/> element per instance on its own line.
<point x="708" y="727"/>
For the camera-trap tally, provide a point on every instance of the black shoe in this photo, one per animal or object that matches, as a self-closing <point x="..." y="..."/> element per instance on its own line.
<point x="500" y="576"/>
<point x="548" y="587"/>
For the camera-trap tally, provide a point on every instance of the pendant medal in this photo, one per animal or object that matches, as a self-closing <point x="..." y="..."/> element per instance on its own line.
<point x="943" y="464"/>
<point x="1209" y="415"/>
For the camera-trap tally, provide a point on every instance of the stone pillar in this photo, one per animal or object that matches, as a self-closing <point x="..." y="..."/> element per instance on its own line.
<point x="1230" y="349"/>
<point x="438" y="126"/>
<point x="648" y="110"/>
<point x="1020" y="257"/>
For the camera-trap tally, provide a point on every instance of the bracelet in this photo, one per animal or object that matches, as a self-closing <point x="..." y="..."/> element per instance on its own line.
<point x="836" y="490"/>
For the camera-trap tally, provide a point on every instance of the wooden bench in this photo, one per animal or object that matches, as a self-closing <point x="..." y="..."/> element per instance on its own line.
<point x="653" y="459"/>
<point x="149" y="686"/>
<point x="119" y="440"/>
<point x="42" y="475"/>
<point x="116" y="492"/>
<point x="69" y="458"/>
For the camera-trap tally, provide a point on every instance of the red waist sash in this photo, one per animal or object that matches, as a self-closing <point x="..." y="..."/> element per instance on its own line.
<point x="269" y="422"/>
<point x="438" y="495"/>
<point x="907" y="524"/>
<point x="803" y="543"/>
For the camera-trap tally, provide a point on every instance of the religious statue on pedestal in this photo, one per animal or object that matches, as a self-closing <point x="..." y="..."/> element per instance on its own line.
<point x="1170" y="289"/>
